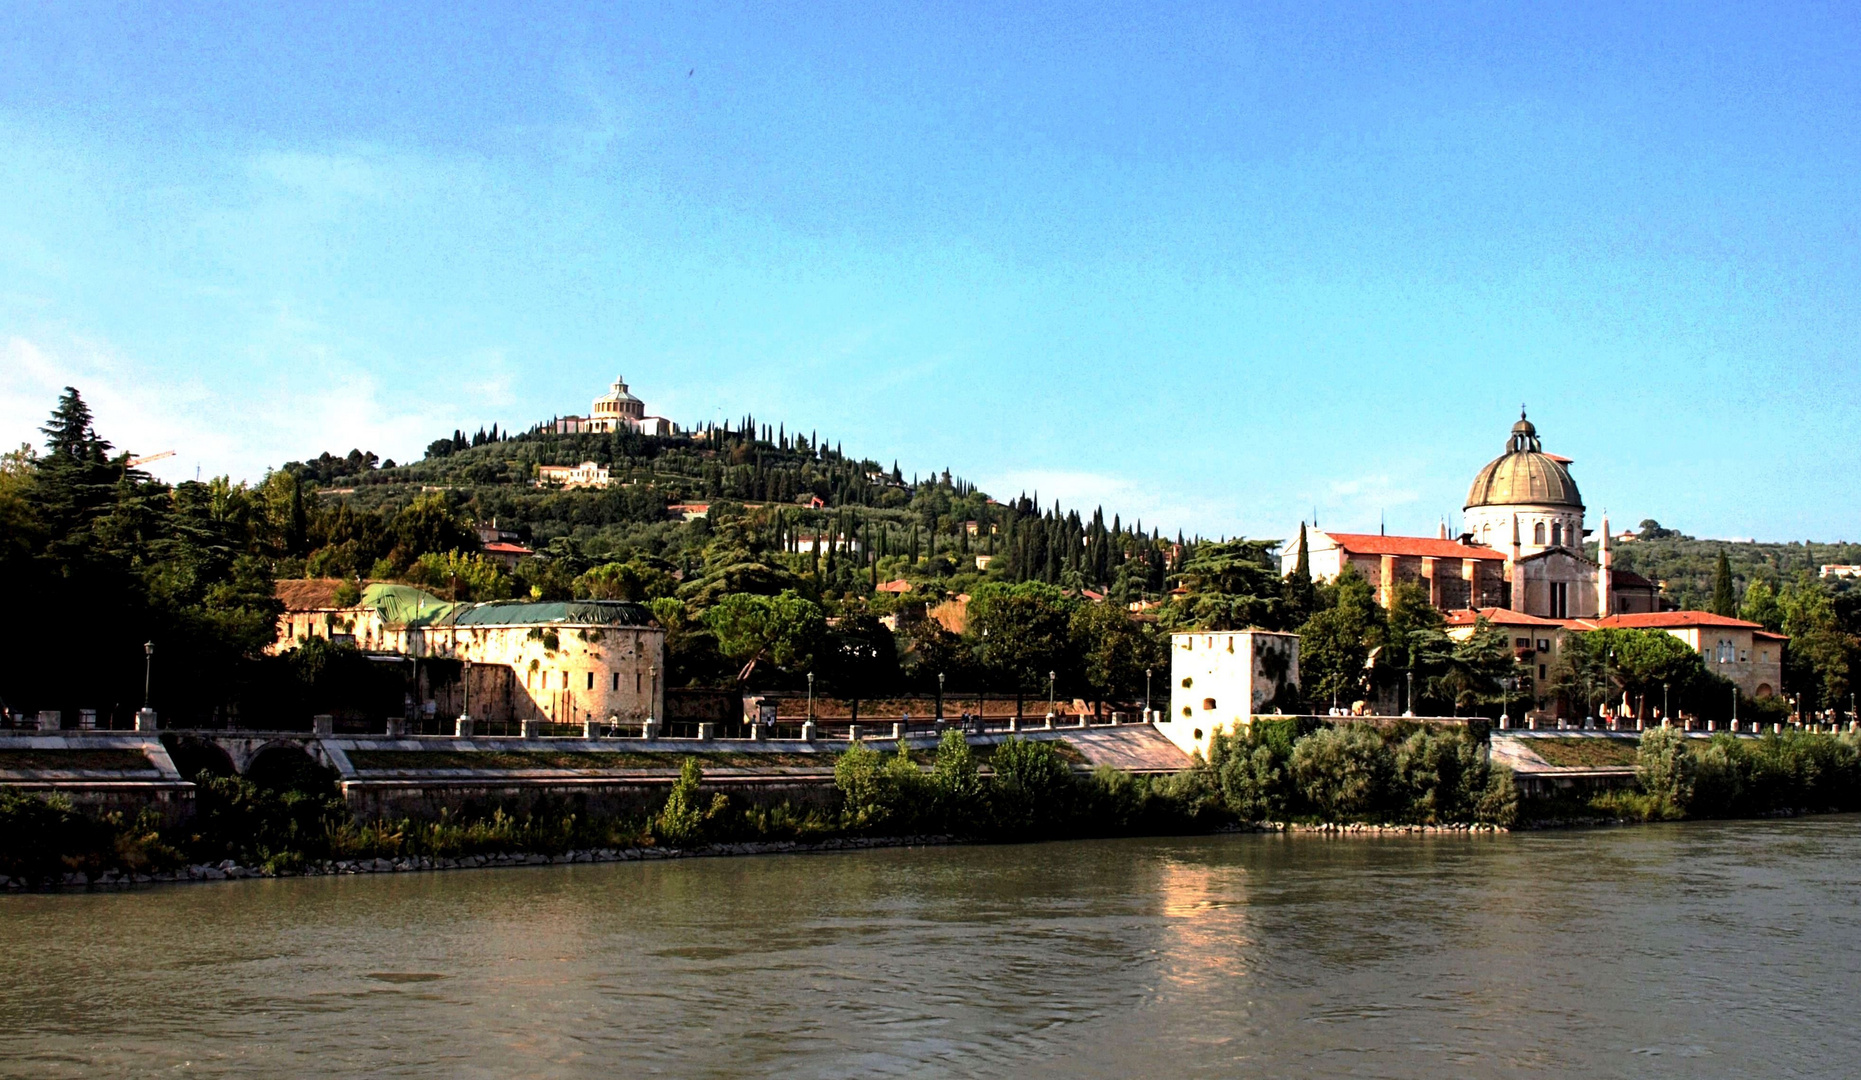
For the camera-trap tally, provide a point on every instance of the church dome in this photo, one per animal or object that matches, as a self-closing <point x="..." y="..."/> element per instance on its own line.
<point x="1524" y="475"/>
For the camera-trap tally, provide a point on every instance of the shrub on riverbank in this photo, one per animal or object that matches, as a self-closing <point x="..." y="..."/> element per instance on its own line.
<point x="1725" y="777"/>
<point x="1277" y="770"/>
<point x="1029" y="792"/>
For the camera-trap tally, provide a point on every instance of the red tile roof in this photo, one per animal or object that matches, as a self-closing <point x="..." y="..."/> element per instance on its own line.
<point x="898" y="586"/>
<point x="1662" y="620"/>
<point x="307" y="594"/>
<point x="1498" y="617"/>
<point x="500" y="547"/>
<point x="1427" y="546"/>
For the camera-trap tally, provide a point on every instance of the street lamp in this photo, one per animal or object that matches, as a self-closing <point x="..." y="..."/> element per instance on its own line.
<point x="148" y="670"/>
<point x="1146" y="694"/>
<point x="1411" y="681"/>
<point x="1666" y="713"/>
<point x="1051" y="676"/>
<point x="940" y="697"/>
<point x="810" y="695"/>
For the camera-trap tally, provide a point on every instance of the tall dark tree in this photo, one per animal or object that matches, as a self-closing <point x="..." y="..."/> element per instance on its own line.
<point x="1724" y="598"/>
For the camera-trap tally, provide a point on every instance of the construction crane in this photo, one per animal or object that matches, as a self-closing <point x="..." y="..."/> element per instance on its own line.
<point x="137" y="462"/>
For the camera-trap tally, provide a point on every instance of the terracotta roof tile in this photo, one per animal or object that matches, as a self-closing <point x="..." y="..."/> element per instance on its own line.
<point x="1498" y="617"/>
<point x="1661" y="620"/>
<point x="1428" y="546"/>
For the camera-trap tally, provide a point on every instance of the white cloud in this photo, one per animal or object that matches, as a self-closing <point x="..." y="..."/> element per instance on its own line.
<point x="239" y="428"/>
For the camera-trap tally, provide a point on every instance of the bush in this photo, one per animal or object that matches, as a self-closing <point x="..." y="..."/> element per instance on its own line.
<point x="44" y="837"/>
<point x="1031" y="792"/>
<point x="958" y="784"/>
<point x="1665" y="769"/>
<point x="1441" y="774"/>
<point x="1345" y="773"/>
<point x="239" y="820"/>
<point x="684" y="819"/>
<point x="1251" y="775"/>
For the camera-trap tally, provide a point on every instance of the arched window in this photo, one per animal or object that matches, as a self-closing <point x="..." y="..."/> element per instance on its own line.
<point x="1537" y="533"/>
<point x="1557" y="535"/>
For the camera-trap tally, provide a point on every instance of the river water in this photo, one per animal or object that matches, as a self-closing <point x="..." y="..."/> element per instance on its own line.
<point x="1696" y="950"/>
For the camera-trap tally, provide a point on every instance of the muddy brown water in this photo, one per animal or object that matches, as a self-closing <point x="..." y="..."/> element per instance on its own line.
<point x="1692" y="950"/>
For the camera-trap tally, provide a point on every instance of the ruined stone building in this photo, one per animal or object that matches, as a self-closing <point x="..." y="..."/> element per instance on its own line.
<point x="557" y="661"/>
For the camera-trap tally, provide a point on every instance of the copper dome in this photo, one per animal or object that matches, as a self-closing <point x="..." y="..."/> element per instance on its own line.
<point x="1524" y="475"/>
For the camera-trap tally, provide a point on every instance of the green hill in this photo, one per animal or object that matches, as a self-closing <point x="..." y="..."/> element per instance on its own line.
<point x="1684" y="566"/>
<point x="873" y="522"/>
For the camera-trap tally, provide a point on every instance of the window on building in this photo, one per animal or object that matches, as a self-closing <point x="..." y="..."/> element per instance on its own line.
<point x="616" y="687"/>
<point x="1541" y="671"/>
<point x="1208" y="703"/>
<point x="1537" y="533"/>
<point x="1544" y="644"/>
<point x="636" y="681"/>
<point x="1557" y="534"/>
<point x="1521" y="643"/>
<point x="591" y="680"/>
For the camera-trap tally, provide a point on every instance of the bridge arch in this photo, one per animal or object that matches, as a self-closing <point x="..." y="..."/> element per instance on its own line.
<point x="287" y="765"/>
<point x="193" y="756"/>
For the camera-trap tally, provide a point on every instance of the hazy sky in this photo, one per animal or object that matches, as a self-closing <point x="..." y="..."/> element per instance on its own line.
<point x="1215" y="267"/>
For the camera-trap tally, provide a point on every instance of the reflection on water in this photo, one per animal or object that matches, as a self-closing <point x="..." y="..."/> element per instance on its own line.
<point x="1688" y="950"/>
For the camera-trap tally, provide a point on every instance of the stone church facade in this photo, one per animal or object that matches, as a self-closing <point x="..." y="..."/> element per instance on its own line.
<point x="1521" y="548"/>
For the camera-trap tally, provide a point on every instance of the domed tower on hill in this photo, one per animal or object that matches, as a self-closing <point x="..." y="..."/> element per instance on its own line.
<point x="617" y="408"/>
<point x="1524" y="500"/>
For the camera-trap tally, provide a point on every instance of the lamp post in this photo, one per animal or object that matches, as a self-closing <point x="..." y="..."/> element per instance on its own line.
<point x="466" y="713"/>
<point x="1411" y="681"/>
<point x="1146" y="694"/>
<point x="810" y="695"/>
<point x="1051" y="676"/>
<point x="148" y="670"/>
<point x="652" y="691"/>
<point x="1666" y="713"/>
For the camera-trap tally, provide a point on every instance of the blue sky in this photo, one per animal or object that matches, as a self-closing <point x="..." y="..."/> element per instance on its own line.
<point x="1218" y="267"/>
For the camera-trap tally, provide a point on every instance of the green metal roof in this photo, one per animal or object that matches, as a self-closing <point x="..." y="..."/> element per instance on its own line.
<point x="572" y="612"/>
<point x="404" y="605"/>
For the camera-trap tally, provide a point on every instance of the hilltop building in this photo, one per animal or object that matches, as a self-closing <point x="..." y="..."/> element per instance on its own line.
<point x="562" y="662"/>
<point x="613" y="411"/>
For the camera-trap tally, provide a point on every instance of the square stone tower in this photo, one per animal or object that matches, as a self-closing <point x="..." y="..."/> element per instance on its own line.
<point x="1220" y="679"/>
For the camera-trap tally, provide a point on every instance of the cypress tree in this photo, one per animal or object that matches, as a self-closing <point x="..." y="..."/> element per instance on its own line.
<point x="1724" y="600"/>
